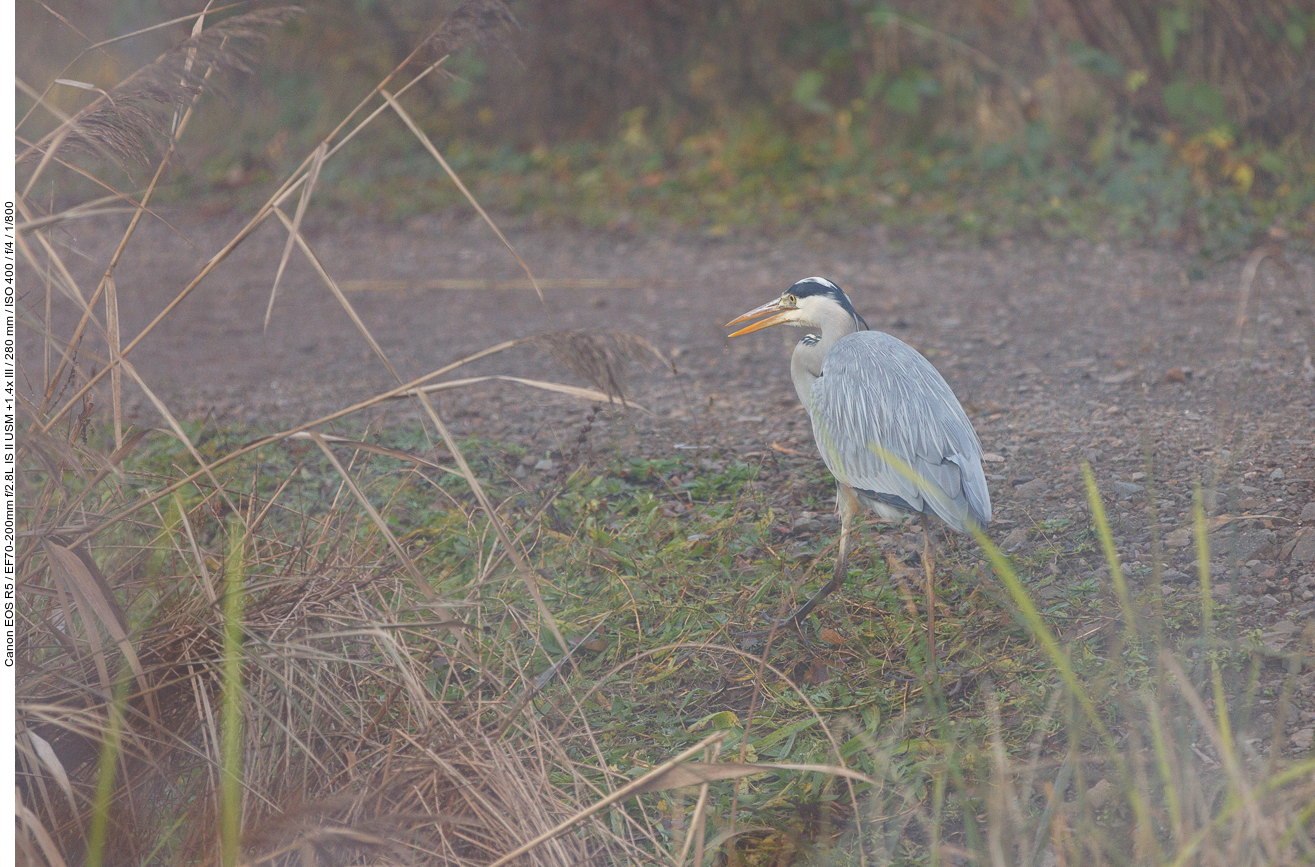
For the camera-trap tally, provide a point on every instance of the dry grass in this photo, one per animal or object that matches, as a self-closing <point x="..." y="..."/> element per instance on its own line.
<point x="214" y="667"/>
<point x="211" y="674"/>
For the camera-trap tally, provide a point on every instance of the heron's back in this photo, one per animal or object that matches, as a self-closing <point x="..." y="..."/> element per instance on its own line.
<point x="878" y="404"/>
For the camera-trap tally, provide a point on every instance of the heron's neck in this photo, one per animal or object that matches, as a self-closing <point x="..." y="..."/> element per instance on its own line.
<point x="806" y="362"/>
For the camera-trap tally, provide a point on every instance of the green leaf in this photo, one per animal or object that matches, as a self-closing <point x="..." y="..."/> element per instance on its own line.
<point x="1296" y="35"/>
<point x="1174" y="21"/>
<point x="807" y="91"/>
<point x="882" y="16"/>
<point x="905" y="93"/>
<point x="1095" y="60"/>
<point x="1196" y="105"/>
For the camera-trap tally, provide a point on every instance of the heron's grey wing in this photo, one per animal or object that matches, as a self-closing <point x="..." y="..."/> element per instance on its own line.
<point x="878" y="399"/>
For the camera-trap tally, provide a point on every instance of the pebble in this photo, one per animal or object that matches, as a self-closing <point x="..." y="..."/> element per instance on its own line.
<point x="1304" y="550"/>
<point x="1016" y="539"/>
<point x="1180" y="538"/>
<point x="1244" y="544"/>
<point x="1032" y="490"/>
<point x="1126" y="489"/>
<point x="1173" y="576"/>
<point x="1098" y="793"/>
<point x="1303" y="739"/>
<point x="807" y="525"/>
<point x="1308" y="511"/>
<point x="1277" y="474"/>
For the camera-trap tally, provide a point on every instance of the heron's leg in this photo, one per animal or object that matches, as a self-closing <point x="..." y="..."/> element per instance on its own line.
<point x="848" y="506"/>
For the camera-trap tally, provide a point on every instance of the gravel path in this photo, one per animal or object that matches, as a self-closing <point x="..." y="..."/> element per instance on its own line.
<point x="1058" y="350"/>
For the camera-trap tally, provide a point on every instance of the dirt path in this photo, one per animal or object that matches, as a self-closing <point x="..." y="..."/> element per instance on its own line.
<point x="1059" y="351"/>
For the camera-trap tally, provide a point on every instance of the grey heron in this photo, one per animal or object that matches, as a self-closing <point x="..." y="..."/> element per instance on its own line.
<point x="888" y="426"/>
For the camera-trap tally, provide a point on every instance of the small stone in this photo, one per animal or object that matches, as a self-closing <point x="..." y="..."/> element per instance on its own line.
<point x="1303" y="739"/>
<point x="805" y="525"/>
<point x="1248" y="503"/>
<point x="546" y="465"/>
<point x="1124" y="490"/>
<point x="1032" y="490"/>
<point x="1016" y="539"/>
<point x="1244" y="544"/>
<point x="1279" y="636"/>
<point x="1277" y="474"/>
<point x="1173" y="576"/>
<point x="993" y="458"/>
<point x="1304" y="550"/>
<point x="1308" y="511"/>
<point x="1179" y="538"/>
<point x="1269" y="600"/>
<point x="1099" y="793"/>
<point x="1175" y="374"/>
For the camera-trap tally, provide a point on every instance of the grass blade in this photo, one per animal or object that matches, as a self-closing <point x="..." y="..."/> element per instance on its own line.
<point x="294" y="229"/>
<point x="433" y="151"/>
<point x="1097" y="506"/>
<point x="230" y="787"/>
<point x="575" y="391"/>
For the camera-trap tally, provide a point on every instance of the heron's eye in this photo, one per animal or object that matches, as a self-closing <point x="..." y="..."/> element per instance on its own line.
<point x="790" y="301"/>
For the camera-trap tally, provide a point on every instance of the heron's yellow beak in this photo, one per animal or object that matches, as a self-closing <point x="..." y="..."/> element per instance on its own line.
<point x="777" y="307"/>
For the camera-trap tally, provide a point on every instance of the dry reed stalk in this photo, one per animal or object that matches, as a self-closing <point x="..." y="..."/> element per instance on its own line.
<point x="142" y="108"/>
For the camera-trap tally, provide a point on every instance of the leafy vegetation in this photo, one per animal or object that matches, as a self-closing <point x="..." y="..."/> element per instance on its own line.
<point x="975" y="121"/>
<point x="655" y="567"/>
<point x="237" y="645"/>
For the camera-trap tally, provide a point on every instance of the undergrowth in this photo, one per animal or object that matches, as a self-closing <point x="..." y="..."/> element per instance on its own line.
<point x="1074" y="724"/>
<point x="340" y="643"/>
<point x="1206" y="191"/>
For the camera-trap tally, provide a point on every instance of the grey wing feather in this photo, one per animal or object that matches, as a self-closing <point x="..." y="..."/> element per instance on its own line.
<point x="878" y="398"/>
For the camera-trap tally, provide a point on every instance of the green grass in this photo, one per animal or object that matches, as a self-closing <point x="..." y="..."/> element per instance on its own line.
<point x="659" y="563"/>
<point x="1207" y="192"/>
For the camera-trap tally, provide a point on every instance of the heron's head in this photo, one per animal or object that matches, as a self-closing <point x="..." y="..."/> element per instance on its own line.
<point x="812" y="303"/>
